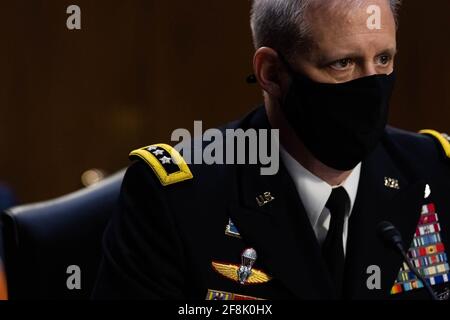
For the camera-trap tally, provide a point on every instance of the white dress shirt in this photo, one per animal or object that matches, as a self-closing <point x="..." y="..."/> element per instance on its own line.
<point x="314" y="193"/>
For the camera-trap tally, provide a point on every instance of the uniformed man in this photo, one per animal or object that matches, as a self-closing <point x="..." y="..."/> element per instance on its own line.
<point x="327" y="225"/>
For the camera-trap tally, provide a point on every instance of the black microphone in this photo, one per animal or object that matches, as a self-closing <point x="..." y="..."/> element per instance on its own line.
<point x="391" y="236"/>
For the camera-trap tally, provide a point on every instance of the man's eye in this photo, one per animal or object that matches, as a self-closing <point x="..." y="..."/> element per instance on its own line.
<point x="384" y="60"/>
<point x="342" y="64"/>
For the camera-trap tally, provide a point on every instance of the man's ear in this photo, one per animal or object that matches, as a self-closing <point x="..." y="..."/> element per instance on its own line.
<point x="270" y="73"/>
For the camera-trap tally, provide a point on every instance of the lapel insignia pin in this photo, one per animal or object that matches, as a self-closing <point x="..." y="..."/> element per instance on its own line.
<point x="231" y="230"/>
<point x="264" y="199"/>
<point x="244" y="273"/>
<point x="391" y="183"/>
<point x="427" y="191"/>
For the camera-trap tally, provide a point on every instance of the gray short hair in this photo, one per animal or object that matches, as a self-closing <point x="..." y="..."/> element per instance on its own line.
<point x="282" y="24"/>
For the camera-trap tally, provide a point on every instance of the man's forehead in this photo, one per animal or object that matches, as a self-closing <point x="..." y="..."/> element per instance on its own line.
<point x="343" y="21"/>
<point x="345" y="5"/>
<point x="346" y="8"/>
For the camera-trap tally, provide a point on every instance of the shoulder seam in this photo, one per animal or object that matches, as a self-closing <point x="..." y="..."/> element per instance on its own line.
<point x="442" y="139"/>
<point x="159" y="165"/>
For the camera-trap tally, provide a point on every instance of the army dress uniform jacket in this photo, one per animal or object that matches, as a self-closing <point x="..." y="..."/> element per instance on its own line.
<point x="180" y="232"/>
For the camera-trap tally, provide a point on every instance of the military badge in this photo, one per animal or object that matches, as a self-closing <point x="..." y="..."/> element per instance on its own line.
<point x="223" y="296"/>
<point x="244" y="273"/>
<point x="391" y="183"/>
<point x="264" y="199"/>
<point x="427" y="192"/>
<point x="168" y="165"/>
<point x="427" y="254"/>
<point x="445" y="295"/>
<point x="231" y="230"/>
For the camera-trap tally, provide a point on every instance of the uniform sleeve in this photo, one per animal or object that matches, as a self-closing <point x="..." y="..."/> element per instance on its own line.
<point x="142" y="253"/>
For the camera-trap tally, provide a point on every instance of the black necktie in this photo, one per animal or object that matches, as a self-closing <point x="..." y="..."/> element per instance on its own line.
<point x="333" y="249"/>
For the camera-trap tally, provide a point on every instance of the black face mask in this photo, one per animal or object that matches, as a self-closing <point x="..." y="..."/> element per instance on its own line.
<point x="340" y="124"/>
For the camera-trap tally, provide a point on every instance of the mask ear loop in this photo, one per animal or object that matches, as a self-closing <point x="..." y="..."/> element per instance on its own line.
<point x="290" y="71"/>
<point x="286" y="64"/>
<point x="251" y="79"/>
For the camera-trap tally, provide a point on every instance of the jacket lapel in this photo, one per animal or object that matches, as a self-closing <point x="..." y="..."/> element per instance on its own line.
<point x="375" y="203"/>
<point x="279" y="230"/>
<point x="281" y="233"/>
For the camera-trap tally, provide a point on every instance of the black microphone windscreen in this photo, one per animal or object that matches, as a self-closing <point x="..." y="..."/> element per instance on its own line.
<point x="389" y="233"/>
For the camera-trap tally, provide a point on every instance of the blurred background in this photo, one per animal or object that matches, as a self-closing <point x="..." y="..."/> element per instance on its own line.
<point x="73" y="101"/>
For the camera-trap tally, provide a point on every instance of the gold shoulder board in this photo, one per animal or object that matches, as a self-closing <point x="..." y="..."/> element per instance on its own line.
<point x="168" y="165"/>
<point x="442" y="138"/>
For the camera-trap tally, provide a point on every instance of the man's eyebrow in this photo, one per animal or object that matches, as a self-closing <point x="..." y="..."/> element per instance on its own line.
<point x="391" y="51"/>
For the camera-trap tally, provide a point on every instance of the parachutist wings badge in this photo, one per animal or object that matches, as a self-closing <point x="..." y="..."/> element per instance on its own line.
<point x="231" y="271"/>
<point x="245" y="273"/>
